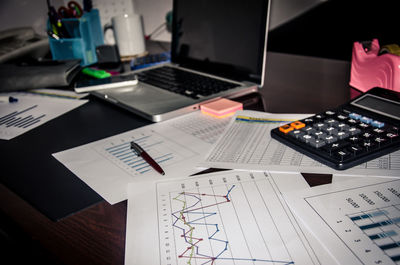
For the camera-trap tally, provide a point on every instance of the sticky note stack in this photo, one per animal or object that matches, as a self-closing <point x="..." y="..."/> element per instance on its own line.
<point x="221" y="108"/>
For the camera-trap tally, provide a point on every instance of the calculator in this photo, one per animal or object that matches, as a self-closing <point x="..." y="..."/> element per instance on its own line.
<point x="363" y="129"/>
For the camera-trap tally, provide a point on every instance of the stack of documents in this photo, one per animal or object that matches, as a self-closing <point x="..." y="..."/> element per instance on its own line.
<point x="260" y="211"/>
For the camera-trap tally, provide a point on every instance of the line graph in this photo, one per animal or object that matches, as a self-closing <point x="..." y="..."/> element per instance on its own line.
<point x="194" y="215"/>
<point x="230" y="219"/>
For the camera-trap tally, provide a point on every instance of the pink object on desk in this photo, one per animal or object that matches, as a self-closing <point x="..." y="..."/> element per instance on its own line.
<point x="221" y="108"/>
<point x="368" y="69"/>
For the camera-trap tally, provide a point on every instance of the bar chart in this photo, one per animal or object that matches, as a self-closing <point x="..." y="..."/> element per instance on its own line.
<point x="365" y="220"/>
<point x="382" y="228"/>
<point x="31" y="111"/>
<point x="18" y="119"/>
<point x="164" y="151"/>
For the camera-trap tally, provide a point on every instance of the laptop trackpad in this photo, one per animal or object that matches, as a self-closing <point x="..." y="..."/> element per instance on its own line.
<point x="148" y="99"/>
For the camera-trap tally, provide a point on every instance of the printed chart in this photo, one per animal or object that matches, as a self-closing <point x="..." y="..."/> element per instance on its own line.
<point x="19" y="120"/>
<point x="31" y="111"/>
<point x="362" y="220"/>
<point x="235" y="218"/>
<point x="165" y="152"/>
<point x="247" y="144"/>
<point x="202" y="126"/>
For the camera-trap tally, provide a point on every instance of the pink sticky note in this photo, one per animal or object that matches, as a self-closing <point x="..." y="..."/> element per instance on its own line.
<point x="221" y="108"/>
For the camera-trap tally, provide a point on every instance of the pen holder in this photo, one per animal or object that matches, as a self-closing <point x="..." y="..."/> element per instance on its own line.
<point x="86" y="34"/>
<point x="369" y="69"/>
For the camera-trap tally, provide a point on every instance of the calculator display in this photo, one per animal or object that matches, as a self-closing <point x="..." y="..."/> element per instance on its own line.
<point x="379" y="105"/>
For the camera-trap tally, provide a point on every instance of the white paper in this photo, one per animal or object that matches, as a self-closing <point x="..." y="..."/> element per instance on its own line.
<point x="58" y="93"/>
<point x="108" y="165"/>
<point x="31" y="111"/>
<point x="220" y="218"/>
<point x="357" y="221"/>
<point x="249" y="146"/>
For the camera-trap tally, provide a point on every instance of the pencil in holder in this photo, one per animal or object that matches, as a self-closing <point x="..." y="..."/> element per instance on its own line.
<point x="86" y="34"/>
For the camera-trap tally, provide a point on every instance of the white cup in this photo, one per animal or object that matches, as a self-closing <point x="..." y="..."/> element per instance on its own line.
<point x="128" y="33"/>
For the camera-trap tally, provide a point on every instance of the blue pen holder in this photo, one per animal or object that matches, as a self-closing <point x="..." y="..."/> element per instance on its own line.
<point x="86" y="34"/>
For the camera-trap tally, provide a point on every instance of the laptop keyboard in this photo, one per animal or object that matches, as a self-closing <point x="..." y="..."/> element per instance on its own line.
<point x="183" y="82"/>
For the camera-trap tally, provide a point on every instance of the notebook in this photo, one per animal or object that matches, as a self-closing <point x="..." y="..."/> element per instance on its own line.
<point x="218" y="50"/>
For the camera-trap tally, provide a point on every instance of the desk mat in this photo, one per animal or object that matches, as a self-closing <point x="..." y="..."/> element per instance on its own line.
<point x="30" y="171"/>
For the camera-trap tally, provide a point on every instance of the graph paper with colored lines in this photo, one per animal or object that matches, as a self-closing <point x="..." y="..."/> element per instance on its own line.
<point x="224" y="218"/>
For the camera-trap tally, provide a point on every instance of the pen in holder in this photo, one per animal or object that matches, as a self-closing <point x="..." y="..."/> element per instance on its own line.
<point x="85" y="35"/>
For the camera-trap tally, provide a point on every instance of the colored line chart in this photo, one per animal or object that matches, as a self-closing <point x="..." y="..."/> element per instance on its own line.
<point x="230" y="219"/>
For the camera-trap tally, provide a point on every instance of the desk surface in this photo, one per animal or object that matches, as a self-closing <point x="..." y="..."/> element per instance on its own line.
<point x="43" y="188"/>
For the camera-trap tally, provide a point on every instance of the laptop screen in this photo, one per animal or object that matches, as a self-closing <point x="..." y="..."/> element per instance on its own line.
<point x="224" y="38"/>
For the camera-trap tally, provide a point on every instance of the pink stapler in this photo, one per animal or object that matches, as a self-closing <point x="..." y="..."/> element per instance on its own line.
<point x="370" y="69"/>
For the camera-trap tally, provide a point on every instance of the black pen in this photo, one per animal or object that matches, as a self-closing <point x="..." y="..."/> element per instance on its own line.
<point x="140" y="152"/>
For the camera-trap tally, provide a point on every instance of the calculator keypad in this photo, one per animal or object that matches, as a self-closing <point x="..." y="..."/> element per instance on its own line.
<point x="341" y="135"/>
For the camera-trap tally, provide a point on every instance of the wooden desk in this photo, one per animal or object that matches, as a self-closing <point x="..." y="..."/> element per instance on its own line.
<point x="96" y="235"/>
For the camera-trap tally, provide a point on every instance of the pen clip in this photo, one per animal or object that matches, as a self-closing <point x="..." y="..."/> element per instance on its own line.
<point x="136" y="148"/>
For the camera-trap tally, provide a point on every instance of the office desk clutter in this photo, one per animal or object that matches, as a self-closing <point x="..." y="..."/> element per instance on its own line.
<point x="257" y="208"/>
<point x="181" y="206"/>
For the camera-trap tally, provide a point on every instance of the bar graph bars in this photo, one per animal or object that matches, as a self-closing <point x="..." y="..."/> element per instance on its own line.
<point x="164" y="151"/>
<point x="382" y="226"/>
<point x="124" y="153"/>
<point x="30" y="111"/>
<point x="19" y="119"/>
<point x="359" y="222"/>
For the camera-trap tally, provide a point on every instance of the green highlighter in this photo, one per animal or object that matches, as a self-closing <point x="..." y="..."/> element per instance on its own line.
<point x="96" y="73"/>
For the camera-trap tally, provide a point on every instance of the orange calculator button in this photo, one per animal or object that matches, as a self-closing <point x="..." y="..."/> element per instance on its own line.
<point x="297" y="125"/>
<point x="286" y="128"/>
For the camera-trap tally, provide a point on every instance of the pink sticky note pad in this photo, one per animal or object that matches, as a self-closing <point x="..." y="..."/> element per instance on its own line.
<point x="221" y="108"/>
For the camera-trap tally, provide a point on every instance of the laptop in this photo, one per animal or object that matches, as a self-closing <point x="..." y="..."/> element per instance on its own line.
<point x="218" y="50"/>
